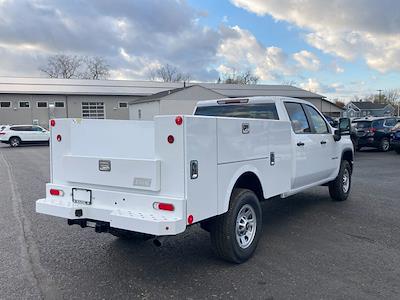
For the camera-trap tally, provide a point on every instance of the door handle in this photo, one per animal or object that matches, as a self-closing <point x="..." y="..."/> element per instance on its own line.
<point x="323" y="142"/>
<point x="300" y="144"/>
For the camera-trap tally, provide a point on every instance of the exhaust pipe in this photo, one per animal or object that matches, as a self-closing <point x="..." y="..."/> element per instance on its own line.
<point x="159" y="241"/>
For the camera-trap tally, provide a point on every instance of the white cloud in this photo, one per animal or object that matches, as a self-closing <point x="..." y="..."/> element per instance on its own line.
<point x="348" y="29"/>
<point x="312" y="85"/>
<point x="307" y="60"/>
<point x="240" y="50"/>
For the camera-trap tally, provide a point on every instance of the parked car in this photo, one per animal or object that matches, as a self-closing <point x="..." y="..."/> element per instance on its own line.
<point x="212" y="168"/>
<point x="15" y="135"/>
<point x="395" y="138"/>
<point x="374" y="132"/>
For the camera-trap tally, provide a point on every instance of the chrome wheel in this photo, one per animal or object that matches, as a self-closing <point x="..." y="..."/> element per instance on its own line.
<point x="14" y="142"/>
<point x="385" y="145"/>
<point x="346" y="181"/>
<point x="246" y="225"/>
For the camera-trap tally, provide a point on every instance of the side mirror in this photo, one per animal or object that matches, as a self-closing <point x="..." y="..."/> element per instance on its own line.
<point x="344" y="126"/>
<point x="344" y="129"/>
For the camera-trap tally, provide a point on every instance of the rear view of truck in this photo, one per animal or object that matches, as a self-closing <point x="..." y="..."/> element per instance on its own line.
<point x="154" y="178"/>
<point x="107" y="174"/>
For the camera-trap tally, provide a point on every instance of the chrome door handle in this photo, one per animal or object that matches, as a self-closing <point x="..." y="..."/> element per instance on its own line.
<point x="323" y="142"/>
<point x="300" y="144"/>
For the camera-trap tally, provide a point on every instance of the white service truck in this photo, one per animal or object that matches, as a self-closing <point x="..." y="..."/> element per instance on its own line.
<point x="142" y="179"/>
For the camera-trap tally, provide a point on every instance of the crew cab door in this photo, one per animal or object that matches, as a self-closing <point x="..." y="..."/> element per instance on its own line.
<point x="324" y="142"/>
<point x="310" y="157"/>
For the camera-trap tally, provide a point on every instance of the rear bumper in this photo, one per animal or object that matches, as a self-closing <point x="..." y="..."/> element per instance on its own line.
<point x="126" y="216"/>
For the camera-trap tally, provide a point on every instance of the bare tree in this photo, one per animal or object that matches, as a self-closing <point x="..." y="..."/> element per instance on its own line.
<point x="340" y="103"/>
<point x="96" y="68"/>
<point x="63" y="66"/>
<point x="168" y="73"/>
<point x="289" y="82"/>
<point x="74" y="66"/>
<point x="239" y="78"/>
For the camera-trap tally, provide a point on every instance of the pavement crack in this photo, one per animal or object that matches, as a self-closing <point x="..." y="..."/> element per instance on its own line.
<point x="30" y="259"/>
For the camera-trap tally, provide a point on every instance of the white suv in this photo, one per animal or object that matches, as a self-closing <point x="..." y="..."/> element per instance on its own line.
<point x="15" y="135"/>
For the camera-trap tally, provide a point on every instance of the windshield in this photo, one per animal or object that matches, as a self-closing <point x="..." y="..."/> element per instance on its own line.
<point x="253" y="111"/>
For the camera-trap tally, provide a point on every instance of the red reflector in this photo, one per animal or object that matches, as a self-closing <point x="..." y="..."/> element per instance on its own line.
<point x="55" y="192"/>
<point x="52" y="123"/>
<point x="59" y="138"/>
<point x="178" y="120"/>
<point x="164" y="206"/>
<point x="190" y="219"/>
<point x="171" y="139"/>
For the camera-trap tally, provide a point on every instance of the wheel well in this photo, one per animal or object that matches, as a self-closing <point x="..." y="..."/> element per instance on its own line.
<point x="250" y="181"/>
<point x="14" y="136"/>
<point x="348" y="155"/>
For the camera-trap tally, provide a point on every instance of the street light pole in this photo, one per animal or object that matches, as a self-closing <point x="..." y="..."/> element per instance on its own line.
<point x="380" y="94"/>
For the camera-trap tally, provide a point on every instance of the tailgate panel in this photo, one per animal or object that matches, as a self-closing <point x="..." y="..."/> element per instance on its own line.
<point x="143" y="174"/>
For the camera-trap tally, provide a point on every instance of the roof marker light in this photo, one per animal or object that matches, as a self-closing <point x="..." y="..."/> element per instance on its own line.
<point x="52" y="123"/>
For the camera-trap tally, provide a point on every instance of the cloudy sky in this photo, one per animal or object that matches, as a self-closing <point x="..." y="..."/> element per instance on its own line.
<point x="339" y="48"/>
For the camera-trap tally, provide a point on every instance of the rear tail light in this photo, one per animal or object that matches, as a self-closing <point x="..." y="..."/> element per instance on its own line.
<point x="164" y="206"/>
<point x="52" y="123"/>
<point x="55" y="192"/>
<point x="178" y="120"/>
<point x="2" y="133"/>
<point x="372" y="130"/>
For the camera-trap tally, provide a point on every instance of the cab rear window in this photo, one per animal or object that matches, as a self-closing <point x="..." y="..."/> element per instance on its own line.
<point x="251" y="111"/>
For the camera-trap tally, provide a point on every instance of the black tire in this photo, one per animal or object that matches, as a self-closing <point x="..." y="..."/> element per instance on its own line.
<point x="224" y="228"/>
<point x="338" y="190"/>
<point x="129" y="235"/>
<point x="15" y="141"/>
<point x="384" y="145"/>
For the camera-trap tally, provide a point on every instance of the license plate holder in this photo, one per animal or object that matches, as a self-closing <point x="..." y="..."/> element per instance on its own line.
<point x="82" y="196"/>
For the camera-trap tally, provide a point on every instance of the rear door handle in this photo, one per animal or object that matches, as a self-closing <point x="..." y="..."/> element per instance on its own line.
<point x="300" y="144"/>
<point x="323" y="142"/>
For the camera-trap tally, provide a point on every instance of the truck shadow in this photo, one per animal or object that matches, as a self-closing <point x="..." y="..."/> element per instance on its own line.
<point x="191" y="252"/>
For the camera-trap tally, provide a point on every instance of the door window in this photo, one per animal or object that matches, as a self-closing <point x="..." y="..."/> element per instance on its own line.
<point x="297" y="117"/>
<point x="317" y="121"/>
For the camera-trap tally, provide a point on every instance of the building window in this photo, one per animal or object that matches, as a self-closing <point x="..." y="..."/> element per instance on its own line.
<point x="41" y="104"/>
<point x="93" y="110"/>
<point x="24" y="104"/>
<point x="123" y="104"/>
<point x="5" y="104"/>
<point x="59" y="104"/>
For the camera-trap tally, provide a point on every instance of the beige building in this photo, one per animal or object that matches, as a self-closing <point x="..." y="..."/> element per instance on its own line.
<point x="183" y="100"/>
<point x="36" y="100"/>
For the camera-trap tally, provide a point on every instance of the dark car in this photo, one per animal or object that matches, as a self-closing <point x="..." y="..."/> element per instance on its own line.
<point x="374" y="132"/>
<point x="395" y="138"/>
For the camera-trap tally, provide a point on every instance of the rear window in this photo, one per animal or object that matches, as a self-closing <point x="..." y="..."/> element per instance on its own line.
<point x="363" y="124"/>
<point x="251" y="111"/>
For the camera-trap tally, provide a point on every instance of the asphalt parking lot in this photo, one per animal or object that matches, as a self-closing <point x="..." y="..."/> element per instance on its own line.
<point x="311" y="247"/>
